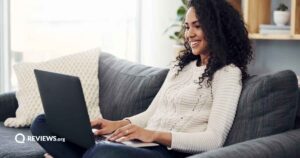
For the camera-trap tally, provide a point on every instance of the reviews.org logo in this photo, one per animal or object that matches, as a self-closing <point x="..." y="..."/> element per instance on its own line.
<point x="21" y="138"/>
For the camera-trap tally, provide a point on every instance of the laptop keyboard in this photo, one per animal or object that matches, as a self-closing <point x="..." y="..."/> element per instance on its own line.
<point x="99" y="138"/>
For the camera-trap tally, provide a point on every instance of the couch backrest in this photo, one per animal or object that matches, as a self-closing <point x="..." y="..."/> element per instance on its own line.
<point x="126" y="88"/>
<point x="267" y="105"/>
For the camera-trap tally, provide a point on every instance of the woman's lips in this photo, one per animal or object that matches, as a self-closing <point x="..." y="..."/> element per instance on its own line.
<point x="194" y="44"/>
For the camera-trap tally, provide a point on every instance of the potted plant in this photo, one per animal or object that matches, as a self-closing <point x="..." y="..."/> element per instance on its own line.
<point x="281" y="15"/>
<point x="176" y="28"/>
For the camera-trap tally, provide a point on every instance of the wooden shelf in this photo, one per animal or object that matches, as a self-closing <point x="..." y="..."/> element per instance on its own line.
<point x="273" y="37"/>
<point x="296" y="16"/>
<point x="257" y="12"/>
<point x="297" y="36"/>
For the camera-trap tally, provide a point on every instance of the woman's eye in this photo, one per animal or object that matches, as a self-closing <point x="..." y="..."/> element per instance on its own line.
<point x="186" y="27"/>
<point x="198" y="26"/>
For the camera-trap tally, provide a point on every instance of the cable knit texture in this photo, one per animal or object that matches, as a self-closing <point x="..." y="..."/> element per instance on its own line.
<point x="84" y="65"/>
<point x="198" y="117"/>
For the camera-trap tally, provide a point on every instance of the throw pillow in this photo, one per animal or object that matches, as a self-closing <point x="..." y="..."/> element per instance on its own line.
<point x="83" y="65"/>
<point x="267" y="106"/>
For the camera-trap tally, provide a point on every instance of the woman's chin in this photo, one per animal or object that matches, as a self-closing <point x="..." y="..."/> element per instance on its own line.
<point x="195" y="52"/>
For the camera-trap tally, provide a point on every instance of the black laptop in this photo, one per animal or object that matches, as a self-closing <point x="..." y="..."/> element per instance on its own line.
<point x="66" y="112"/>
<point x="65" y="108"/>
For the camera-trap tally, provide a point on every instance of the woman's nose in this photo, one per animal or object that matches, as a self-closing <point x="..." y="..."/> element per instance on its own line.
<point x="191" y="33"/>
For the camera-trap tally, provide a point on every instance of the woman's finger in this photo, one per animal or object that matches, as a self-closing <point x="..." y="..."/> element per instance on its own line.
<point x="120" y="130"/>
<point x="126" y="138"/>
<point x="96" y="123"/>
<point x="123" y="131"/>
<point x="121" y="134"/>
<point x="100" y="132"/>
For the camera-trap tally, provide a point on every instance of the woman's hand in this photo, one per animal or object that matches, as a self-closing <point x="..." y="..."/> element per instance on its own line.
<point x="130" y="132"/>
<point x="107" y="126"/>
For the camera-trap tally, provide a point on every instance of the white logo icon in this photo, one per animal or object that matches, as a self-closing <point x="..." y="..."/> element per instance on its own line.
<point x="20" y="138"/>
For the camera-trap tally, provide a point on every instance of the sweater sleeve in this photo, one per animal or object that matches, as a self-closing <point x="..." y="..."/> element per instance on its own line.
<point x="226" y="89"/>
<point x="141" y="119"/>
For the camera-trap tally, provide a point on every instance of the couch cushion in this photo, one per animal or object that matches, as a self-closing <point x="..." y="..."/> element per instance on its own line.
<point x="126" y="88"/>
<point x="267" y="106"/>
<point x="8" y="105"/>
<point x="283" y="145"/>
<point x="9" y="148"/>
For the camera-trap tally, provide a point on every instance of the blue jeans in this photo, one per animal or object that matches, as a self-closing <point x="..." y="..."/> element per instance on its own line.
<point x="69" y="150"/>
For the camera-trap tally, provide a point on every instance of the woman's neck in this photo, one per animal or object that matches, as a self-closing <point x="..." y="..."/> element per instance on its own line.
<point x="204" y="59"/>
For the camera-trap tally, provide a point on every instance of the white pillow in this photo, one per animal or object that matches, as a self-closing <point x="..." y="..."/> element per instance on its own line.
<point x="84" y="65"/>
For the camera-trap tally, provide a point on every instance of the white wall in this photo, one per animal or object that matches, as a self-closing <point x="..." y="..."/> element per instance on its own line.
<point x="156" y="48"/>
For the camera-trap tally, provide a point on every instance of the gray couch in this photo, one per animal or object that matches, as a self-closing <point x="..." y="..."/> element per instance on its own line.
<point x="266" y="124"/>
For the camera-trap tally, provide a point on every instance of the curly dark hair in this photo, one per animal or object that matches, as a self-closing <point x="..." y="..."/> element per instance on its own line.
<point x="226" y="36"/>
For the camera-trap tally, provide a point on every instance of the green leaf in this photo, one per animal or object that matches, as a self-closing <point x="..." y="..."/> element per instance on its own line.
<point x="181" y="11"/>
<point x="172" y="37"/>
<point x="185" y="2"/>
<point x="282" y="7"/>
<point x="177" y="33"/>
<point x="181" y="14"/>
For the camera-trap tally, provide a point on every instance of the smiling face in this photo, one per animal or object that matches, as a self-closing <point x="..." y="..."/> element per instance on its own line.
<point x="194" y="34"/>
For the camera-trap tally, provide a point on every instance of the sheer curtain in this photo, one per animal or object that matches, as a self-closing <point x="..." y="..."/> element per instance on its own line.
<point x="46" y="29"/>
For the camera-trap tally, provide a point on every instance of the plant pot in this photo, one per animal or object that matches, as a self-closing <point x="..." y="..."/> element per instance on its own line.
<point x="281" y="18"/>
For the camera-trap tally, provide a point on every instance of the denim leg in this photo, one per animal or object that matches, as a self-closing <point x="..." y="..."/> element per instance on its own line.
<point x="57" y="149"/>
<point x="114" y="150"/>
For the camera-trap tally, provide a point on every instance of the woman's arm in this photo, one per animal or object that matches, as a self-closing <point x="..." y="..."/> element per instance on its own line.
<point x="226" y="87"/>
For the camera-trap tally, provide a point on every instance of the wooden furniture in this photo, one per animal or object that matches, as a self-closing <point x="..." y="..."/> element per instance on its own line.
<point x="256" y="12"/>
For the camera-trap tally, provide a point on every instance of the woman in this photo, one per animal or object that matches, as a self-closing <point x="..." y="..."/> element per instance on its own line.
<point x="195" y="108"/>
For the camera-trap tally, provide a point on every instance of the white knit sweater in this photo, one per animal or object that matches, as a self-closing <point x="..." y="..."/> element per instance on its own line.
<point x="199" y="119"/>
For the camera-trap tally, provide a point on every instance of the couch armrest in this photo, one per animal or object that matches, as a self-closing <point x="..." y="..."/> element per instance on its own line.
<point x="276" y="146"/>
<point x="8" y="105"/>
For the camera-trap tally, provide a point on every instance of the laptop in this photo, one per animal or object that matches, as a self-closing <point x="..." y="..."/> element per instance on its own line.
<point x="66" y="112"/>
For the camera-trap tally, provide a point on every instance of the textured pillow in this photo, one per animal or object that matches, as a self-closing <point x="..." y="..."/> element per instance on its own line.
<point x="127" y="88"/>
<point x="84" y="65"/>
<point x="267" y="106"/>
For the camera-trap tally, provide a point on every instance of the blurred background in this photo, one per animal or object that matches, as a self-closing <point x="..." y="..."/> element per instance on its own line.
<point x="142" y="31"/>
<point x="39" y="30"/>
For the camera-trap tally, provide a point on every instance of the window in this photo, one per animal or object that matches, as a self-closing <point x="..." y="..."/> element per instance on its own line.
<point x="46" y="29"/>
<point x="4" y="45"/>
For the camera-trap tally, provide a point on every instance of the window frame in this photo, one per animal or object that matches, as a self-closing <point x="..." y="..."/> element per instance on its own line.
<point x="5" y="55"/>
